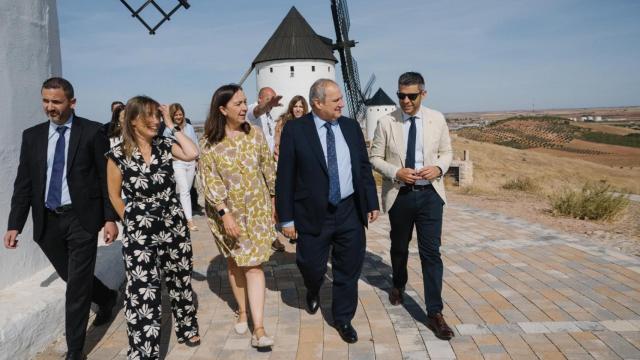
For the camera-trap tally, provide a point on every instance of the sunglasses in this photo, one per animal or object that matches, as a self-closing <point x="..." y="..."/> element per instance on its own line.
<point x="411" y="97"/>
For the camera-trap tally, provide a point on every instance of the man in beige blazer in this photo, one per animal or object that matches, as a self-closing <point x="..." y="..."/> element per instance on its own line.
<point x="412" y="150"/>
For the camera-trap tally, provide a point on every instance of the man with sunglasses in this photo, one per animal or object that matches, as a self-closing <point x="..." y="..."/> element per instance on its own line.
<point x="411" y="148"/>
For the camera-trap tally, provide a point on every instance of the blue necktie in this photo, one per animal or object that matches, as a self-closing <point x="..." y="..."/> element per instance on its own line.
<point x="332" y="165"/>
<point x="54" y="196"/>
<point x="410" y="161"/>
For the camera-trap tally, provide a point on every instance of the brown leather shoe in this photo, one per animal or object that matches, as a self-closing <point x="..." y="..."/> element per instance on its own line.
<point x="439" y="327"/>
<point x="396" y="296"/>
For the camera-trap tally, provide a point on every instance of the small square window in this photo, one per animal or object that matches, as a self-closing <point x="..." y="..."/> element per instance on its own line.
<point x="291" y="68"/>
<point x="313" y="68"/>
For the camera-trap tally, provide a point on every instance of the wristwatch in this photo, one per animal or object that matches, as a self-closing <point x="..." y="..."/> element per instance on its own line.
<point x="222" y="212"/>
<point x="174" y="130"/>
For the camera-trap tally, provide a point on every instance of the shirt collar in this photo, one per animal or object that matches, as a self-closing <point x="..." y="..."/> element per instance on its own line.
<point x="53" y="126"/>
<point x="406" y="116"/>
<point x="320" y="122"/>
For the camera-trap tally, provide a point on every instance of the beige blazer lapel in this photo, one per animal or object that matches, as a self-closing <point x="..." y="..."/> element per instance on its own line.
<point x="427" y="137"/>
<point x="397" y="133"/>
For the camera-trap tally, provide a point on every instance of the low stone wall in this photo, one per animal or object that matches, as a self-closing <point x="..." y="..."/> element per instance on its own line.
<point x="32" y="310"/>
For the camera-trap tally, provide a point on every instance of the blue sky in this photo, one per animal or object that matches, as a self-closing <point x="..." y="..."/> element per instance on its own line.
<point x="476" y="55"/>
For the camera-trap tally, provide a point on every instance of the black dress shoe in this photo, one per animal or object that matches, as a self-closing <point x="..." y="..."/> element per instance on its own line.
<point x="396" y="296"/>
<point x="190" y="342"/>
<point x="439" y="327"/>
<point x="313" y="302"/>
<point x="347" y="333"/>
<point x="105" y="310"/>
<point x="276" y="245"/>
<point x="75" y="355"/>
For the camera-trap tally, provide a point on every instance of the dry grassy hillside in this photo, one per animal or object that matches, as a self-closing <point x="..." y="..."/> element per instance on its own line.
<point x="494" y="165"/>
<point x="595" y="142"/>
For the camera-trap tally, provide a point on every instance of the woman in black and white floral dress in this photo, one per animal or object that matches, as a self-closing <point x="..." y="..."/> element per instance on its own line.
<point x="156" y="239"/>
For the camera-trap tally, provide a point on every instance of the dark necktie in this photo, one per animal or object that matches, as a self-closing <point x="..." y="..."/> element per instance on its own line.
<point x="332" y="165"/>
<point x="410" y="161"/>
<point x="54" y="196"/>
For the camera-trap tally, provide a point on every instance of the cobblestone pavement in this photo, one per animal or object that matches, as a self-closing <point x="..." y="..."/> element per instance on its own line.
<point x="512" y="290"/>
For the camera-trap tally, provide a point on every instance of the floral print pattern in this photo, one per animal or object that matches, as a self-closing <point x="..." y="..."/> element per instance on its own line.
<point x="240" y="172"/>
<point x="156" y="245"/>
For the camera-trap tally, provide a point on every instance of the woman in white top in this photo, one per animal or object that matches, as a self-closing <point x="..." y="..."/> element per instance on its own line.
<point x="185" y="171"/>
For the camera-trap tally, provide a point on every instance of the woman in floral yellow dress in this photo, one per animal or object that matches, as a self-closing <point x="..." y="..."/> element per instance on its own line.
<point x="238" y="175"/>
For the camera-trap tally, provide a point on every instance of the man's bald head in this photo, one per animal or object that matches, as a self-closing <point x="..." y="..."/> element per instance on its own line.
<point x="265" y="94"/>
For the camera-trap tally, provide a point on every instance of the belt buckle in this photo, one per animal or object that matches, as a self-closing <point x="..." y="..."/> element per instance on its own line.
<point x="61" y="210"/>
<point x="414" y="188"/>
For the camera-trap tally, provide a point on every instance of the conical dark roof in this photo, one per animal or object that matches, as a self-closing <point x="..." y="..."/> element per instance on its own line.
<point x="295" y="39"/>
<point x="380" y="98"/>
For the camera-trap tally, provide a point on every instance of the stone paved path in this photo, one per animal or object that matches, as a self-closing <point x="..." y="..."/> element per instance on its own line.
<point x="512" y="290"/>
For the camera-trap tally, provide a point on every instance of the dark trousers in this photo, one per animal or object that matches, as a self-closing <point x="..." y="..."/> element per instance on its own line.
<point x="72" y="252"/>
<point x="424" y="210"/>
<point x="343" y="232"/>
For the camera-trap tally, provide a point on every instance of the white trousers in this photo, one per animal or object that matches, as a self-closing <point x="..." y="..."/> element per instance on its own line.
<point x="184" y="180"/>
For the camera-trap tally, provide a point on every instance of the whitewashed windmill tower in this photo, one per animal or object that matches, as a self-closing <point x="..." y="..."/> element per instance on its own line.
<point x="377" y="106"/>
<point x="292" y="59"/>
<point x="295" y="56"/>
<point x="29" y="54"/>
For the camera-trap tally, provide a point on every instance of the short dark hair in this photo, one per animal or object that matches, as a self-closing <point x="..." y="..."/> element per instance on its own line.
<point x="59" y="83"/>
<point x="411" y="78"/>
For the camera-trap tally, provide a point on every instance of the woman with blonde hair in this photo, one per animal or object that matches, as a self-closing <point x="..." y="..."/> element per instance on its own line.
<point x="185" y="171"/>
<point x="238" y="177"/>
<point x="297" y="107"/>
<point x="156" y="238"/>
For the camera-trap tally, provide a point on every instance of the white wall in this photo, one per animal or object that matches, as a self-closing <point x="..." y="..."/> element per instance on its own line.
<point x="374" y="113"/>
<point x="29" y="54"/>
<point x="278" y="76"/>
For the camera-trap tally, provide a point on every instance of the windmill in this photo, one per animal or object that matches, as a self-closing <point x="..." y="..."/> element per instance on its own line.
<point x="355" y="95"/>
<point x="165" y="16"/>
<point x="295" y="56"/>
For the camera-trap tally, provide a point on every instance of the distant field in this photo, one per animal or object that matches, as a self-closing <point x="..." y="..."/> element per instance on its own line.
<point x="551" y="169"/>
<point x="607" y="128"/>
<point x="600" y="143"/>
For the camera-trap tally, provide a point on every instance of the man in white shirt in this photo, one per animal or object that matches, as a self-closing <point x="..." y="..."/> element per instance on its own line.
<point x="259" y="115"/>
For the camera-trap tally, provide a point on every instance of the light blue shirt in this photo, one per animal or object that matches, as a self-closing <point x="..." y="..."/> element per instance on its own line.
<point x="343" y="154"/>
<point x="65" y="198"/>
<point x="419" y="144"/>
<point x="188" y="130"/>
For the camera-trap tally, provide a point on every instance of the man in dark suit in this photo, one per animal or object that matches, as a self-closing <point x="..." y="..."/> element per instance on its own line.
<point x="61" y="179"/>
<point x="325" y="196"/>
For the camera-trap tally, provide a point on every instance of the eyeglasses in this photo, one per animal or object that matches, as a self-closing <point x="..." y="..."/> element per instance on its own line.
<point x="411" y="97"/>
